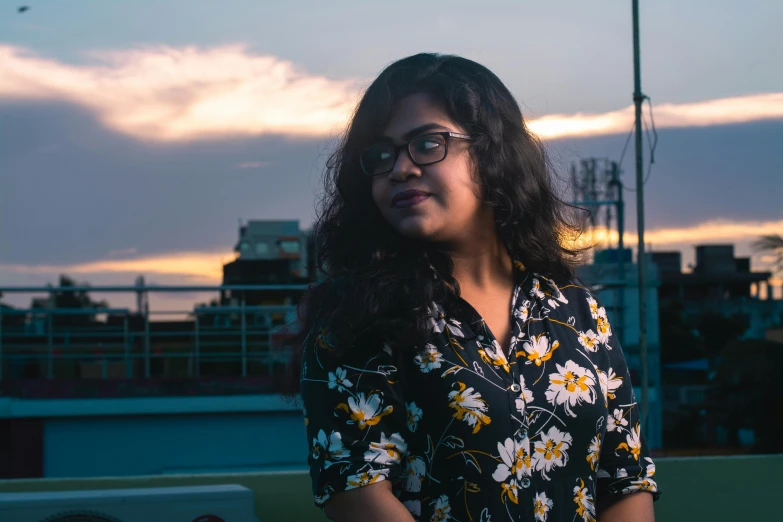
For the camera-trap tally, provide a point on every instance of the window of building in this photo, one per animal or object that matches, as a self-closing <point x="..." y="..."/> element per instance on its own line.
<point x="289" y="247"/>
<point x="262" y="247"/>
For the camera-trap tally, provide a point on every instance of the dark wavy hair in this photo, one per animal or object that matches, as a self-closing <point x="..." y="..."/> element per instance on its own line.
<point x="378" y="284"/>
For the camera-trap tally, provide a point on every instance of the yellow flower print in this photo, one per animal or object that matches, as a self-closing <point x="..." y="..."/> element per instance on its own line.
<point x="388" y="451"/>
<point x="632" y="442"/>
<point x="604" y="329"/>
<point x="470" y="407"/>
<point x="538" y="349"/>
<point x="494" y="355"/>
<point x="365" y="411"/>
<point x="365" y="478"/>
<point x="589" y="340"/>
<point x="510" y="490"/>
<point x="551" y="451"/>
<point x="585" y="507"/>
<point x="594" y="450"/>
<point x="441" y="509"/>
<point x="541" y="507"/>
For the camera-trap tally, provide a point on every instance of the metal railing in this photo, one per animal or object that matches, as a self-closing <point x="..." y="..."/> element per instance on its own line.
<point x="73" y="342"/>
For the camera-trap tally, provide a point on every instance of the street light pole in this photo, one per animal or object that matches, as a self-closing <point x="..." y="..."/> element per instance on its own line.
<point x="638" y="99"/>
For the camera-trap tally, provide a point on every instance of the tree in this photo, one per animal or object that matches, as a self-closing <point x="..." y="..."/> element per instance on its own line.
<point x="771" y="244"/>
<point x="717" y="330"/>
<point x="678" y="341"/>
<point x="747" y="392"/>
<point x="66" y="297"/>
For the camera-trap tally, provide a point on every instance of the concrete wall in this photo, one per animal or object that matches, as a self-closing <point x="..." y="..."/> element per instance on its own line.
<point x="162" y="435"/>
<point x="718" y="489"/>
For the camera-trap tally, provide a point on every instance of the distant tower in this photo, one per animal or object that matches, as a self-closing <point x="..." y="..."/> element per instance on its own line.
<point x="141" y="296"/>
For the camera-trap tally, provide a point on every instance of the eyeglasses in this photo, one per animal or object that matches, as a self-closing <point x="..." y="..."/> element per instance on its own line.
<point x="423" y="150"/>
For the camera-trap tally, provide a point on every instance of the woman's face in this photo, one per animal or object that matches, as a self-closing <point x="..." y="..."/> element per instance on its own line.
<point x="443" y="205"/>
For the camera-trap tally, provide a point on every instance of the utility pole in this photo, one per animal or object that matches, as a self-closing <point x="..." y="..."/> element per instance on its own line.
<point x="638" y="99"/>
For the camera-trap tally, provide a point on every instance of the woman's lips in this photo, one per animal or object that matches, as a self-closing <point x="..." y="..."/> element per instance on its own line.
<point x="409" y="198"/>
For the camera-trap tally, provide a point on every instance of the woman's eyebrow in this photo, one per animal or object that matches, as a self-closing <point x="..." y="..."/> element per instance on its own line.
<point x="419" y="130"/>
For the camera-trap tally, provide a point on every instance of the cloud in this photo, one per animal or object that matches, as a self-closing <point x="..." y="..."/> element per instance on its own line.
<point x="739" y="109"/>
<point x="741" y="234"/>
<point x="162" y="93"/>
<point x="203" y="266"/>
<point x="173" y="94"/>
<point x="207" y="266"/>
<point x="253" y="165"/>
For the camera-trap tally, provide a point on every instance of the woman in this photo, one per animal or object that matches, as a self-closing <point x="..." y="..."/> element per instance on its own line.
<point x="451" y="367"/>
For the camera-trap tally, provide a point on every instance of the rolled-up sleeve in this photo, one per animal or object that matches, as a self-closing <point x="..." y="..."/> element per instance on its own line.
<point x="355" y="418"/>
<point x="625" y="465"/>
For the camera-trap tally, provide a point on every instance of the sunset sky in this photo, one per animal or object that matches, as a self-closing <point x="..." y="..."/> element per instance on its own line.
<point x="135" y="135"/>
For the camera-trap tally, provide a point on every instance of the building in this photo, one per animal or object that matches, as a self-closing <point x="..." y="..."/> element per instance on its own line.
<point x="613" y="277"/>
<point x="719" y="283"/>
<point x="269" y="253"/>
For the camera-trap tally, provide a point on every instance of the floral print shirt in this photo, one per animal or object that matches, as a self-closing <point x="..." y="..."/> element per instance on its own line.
<point x="467" y="432"/>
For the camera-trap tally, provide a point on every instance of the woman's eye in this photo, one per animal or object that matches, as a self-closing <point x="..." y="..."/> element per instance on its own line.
<point x="428" y="145"/>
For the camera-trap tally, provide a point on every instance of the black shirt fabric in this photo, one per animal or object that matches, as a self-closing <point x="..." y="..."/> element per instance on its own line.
<point x="465" y="432"/>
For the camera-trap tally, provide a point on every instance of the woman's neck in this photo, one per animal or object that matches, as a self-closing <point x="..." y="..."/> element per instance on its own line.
<point x="482" y="265"/>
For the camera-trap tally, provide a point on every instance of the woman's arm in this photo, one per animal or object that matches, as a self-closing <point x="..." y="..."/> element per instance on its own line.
<point x="634" y="507"/>
<point x="375" y="502"/>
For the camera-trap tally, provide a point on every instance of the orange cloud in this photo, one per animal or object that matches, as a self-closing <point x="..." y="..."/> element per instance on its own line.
<point x="207" y="266"/>
<point x="204" y="266"/>
<point x="740" y="109"/>
<point x="173" y="94"/>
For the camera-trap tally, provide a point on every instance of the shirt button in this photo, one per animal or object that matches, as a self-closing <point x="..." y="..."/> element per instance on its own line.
<point x="516" y="388"/>
<point x="525" y="482"/>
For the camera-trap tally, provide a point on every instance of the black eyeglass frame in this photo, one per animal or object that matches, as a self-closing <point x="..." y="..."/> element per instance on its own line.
<point x="447" y="136"/>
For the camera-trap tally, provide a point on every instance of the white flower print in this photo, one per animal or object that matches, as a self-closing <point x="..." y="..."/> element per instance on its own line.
<point x="535" y="291"/>
<point x="589" y="340"/>
<point x="621" y="473"/>
<point x="330" y="448"/>
<point x="337" y="379"/>
<point x="325" y="495"/>
<point x="438" y="322"/>
<point x="494" y="355"/>
<point x="413" y="507"/>
<point x="414" y="415"/>
<point x="470" y="407"/>
<point x="538" y="349"/>
<point x="365" y="411"/>
<point x="593" y="307"/>
<point x="526" y="396"/>
<point x="615" y="421"/>
<point x="429" y="359"/>
<point x="551" y="451"/>
<point x="455" y="327"/>
<point x="541" y="506"/>
<point x="609" y="384"/>
<point x="522" y="312"/>
<point x="594" y="451"/>
<point x="515" y="460"/>
<point x="570" y="386"/>
<point x="633" y="443"/>
<point x="585" y="507"/>
<point x="416" y="469"/>
<point x="388" y="451"/>
<point x="604" y="329"/>
<point x="366" y="478"/>
<point x="556" y="300"/>
<point x="441" y="509"/>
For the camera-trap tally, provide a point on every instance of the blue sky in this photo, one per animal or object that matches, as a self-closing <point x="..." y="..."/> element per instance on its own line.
<point x="137" y="133"/>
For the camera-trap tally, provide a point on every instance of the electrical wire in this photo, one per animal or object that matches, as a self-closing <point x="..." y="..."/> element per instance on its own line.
<point x="652" y="144"/>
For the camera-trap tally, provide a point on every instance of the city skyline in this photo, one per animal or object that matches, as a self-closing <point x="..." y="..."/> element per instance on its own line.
<point x="135" y="147"/>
